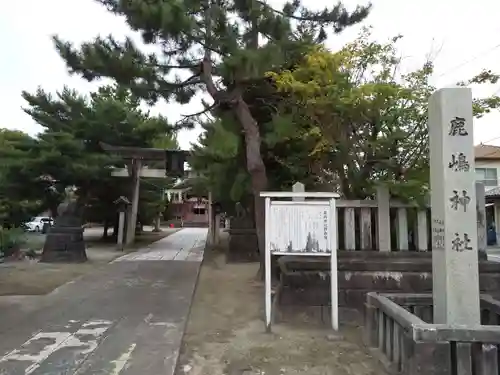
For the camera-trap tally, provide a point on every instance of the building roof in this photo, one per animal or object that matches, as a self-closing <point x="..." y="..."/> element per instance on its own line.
<point x="486" y="152"/>
<point x="493" y="193"/>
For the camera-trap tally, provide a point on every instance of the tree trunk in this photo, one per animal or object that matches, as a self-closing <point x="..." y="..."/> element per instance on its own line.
<point x="257" y="170"/>
<point x="53" y="210"/>
<point x="255" y="164"/>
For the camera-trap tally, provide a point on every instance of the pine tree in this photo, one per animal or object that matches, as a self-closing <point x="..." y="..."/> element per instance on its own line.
<point x="69" y="147"/>
<point x="223" y="45"/>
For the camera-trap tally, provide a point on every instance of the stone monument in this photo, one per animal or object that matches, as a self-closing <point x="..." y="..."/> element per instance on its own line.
<point x="454" y="217"/>
<point x="64" y="242"/>
<point x="455" y="330"/>
<point x="122" y="204"/>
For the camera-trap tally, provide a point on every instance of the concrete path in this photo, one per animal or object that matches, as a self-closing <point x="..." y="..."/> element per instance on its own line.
<point x="181" y="246"/>
<point x="127" y="319"/>
<point x="493" y="253"/>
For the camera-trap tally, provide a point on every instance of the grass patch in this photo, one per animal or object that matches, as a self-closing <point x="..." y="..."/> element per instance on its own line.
<point x="29" y="277"/>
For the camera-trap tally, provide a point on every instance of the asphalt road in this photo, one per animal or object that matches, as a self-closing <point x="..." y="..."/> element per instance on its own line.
<point x="126" y="319"/>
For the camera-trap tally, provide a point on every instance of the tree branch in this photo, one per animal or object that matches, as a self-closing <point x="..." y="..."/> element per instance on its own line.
<point x="208" y="109"/>
<point x="190" y="81"/>
<point x="338" y="15"/>
<point x="178" y="66"/>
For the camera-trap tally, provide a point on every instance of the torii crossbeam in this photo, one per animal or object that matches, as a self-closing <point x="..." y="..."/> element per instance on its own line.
<point x="174" y="165"/>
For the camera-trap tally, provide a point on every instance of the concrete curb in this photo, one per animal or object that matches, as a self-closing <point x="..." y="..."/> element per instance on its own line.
<point x="184" y="325"/>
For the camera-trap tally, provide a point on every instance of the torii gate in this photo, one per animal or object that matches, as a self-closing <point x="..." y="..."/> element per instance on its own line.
<point x="135" y="156"/>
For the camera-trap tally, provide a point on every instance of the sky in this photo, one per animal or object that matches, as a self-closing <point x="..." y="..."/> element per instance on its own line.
<point x="462" y="38"/>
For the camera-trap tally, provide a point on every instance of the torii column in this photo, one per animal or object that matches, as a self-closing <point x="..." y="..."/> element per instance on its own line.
<point x="135" y="172"/>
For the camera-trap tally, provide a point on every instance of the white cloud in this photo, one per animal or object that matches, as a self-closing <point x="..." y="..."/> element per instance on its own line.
<point x="464" y="32"/>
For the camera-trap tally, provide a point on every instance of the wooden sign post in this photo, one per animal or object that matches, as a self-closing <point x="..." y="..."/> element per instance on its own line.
<point x="303" y="224"/>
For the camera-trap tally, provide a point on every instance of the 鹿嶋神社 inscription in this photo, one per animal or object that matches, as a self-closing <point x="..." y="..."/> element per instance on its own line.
<point x="460" y="201"/>
<point x="461" y="242"/>
<point x="457" y="127"/>
<point x="459" y="162"/>
<point x="299" y="228"/>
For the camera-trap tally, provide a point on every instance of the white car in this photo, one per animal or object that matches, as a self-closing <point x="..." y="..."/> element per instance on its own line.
<point x="36" y="223"/>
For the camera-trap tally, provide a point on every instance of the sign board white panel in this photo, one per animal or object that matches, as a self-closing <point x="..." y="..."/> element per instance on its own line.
<point x="299" y="228"/>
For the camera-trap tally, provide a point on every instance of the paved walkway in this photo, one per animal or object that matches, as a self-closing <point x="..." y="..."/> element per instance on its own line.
<point x="127" y="319"/>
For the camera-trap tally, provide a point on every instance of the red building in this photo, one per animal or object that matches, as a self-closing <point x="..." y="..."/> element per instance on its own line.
<point x="192" y="211"/>
<point x="190" y="208"/>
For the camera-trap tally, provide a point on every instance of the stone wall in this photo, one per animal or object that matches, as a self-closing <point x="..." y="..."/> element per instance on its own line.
<point x="306" y="281"/>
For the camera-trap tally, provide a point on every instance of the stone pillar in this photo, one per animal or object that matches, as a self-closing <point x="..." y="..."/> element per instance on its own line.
<point x="157" y="223"/>
<point x="496" y="210"/>
<point x="217" y="230"/>
<point x="453" y="198"/>
<point x="370" y="331"/>
<point x="383" y="219"/>
<point x="481" y="220"/>
<point x="426" y="358"/>
<point x="121" y="224"/>
<point x="298" y="187"/>
<point x="132" y="219"/>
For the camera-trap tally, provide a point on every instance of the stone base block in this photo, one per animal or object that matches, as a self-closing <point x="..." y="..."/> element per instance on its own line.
<point x="243" y="245"/>
<point x="64" y="245"/>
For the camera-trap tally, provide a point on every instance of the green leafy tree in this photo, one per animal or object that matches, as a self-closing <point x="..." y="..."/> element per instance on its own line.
<point x="363" y="121"/>
<point x="307" y="115"/>
<point x="217" y="44"/>
<point x="167" y="142"/>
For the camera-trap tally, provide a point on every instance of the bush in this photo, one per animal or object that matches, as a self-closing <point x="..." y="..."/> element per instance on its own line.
<point x="11" y="240"/>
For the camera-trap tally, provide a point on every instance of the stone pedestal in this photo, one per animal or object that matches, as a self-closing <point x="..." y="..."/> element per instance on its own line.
<point x="64" y="245"/>
<point x="243" y="244"/>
